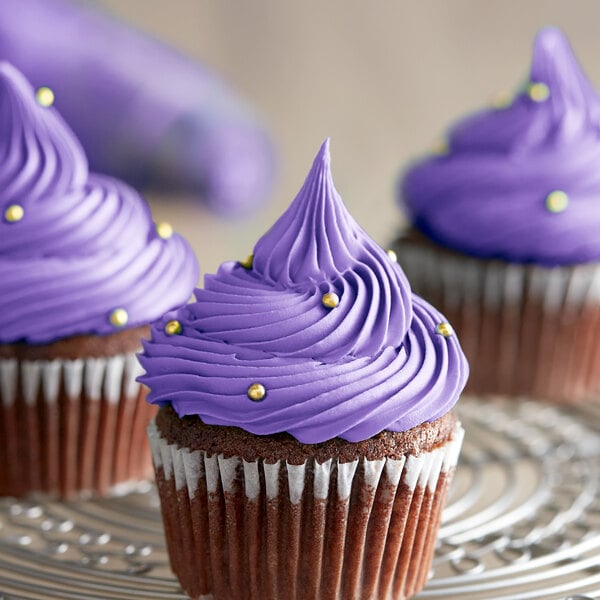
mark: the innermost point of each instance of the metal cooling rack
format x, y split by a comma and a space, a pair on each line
523, 522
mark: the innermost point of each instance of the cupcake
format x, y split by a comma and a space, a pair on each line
83, 271
504, 236
306, 438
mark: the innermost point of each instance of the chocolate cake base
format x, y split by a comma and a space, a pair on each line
527, 330
338, 528
191, 433
73, 426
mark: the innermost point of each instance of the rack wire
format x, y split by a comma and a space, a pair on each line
522, 522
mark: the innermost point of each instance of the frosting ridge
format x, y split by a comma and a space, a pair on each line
484, 194
369, 363
83, 244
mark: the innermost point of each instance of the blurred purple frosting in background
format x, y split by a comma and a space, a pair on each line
142, 111
520, 181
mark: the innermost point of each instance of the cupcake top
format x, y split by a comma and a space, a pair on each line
79, 252
519, 182
316, 334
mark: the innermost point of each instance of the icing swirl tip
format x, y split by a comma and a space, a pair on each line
555, 65
39, 152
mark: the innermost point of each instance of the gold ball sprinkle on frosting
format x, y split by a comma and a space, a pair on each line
247, 262
557, 201
44, 96
392, 255
441, 147
173, 327
256, 392
119, 317
330, 300
164, 230
538, 92
444, 329
14, 213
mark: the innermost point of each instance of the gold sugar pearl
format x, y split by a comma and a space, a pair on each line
14, 213
538, 92
256, 392
44, 96
330, 300
392, 255
444, 329
119, 317
557, 201
247, 262
441, 147
173, 327
164, 230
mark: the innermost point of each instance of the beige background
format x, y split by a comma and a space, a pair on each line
383, 79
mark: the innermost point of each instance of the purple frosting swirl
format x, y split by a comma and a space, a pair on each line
487, 195
373, 363
86, 243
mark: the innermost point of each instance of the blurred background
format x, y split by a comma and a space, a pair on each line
382, 79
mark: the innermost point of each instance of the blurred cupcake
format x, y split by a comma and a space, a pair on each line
306, 438
83, 270
504, 235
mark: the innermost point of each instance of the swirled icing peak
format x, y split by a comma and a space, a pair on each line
38, 153
322, 319
79, 252
519, 182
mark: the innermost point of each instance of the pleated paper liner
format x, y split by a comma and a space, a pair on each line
72, 428
526, 330
239, 530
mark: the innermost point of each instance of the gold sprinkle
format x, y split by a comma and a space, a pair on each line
444, 329
557, 201
330, 300
164, 230
173, 327
14, 213
441, 147
502, 100
392, 255
538, 92
247, 262
44, 96
256, 392
119, 317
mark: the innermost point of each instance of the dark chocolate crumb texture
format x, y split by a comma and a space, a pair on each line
191, 433
89, 346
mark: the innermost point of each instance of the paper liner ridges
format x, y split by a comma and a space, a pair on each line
72, 427
526, 330
259, 531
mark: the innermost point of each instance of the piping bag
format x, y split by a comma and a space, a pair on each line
143, 111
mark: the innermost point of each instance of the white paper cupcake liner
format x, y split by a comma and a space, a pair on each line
253, 530
526, 329
72, 427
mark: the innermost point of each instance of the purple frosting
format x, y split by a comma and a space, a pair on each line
373, 363
143, 111
86, 244
487, 195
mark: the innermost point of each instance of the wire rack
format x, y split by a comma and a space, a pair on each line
522, 522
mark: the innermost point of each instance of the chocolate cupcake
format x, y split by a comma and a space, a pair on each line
306, 438
504, 235
83, 271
